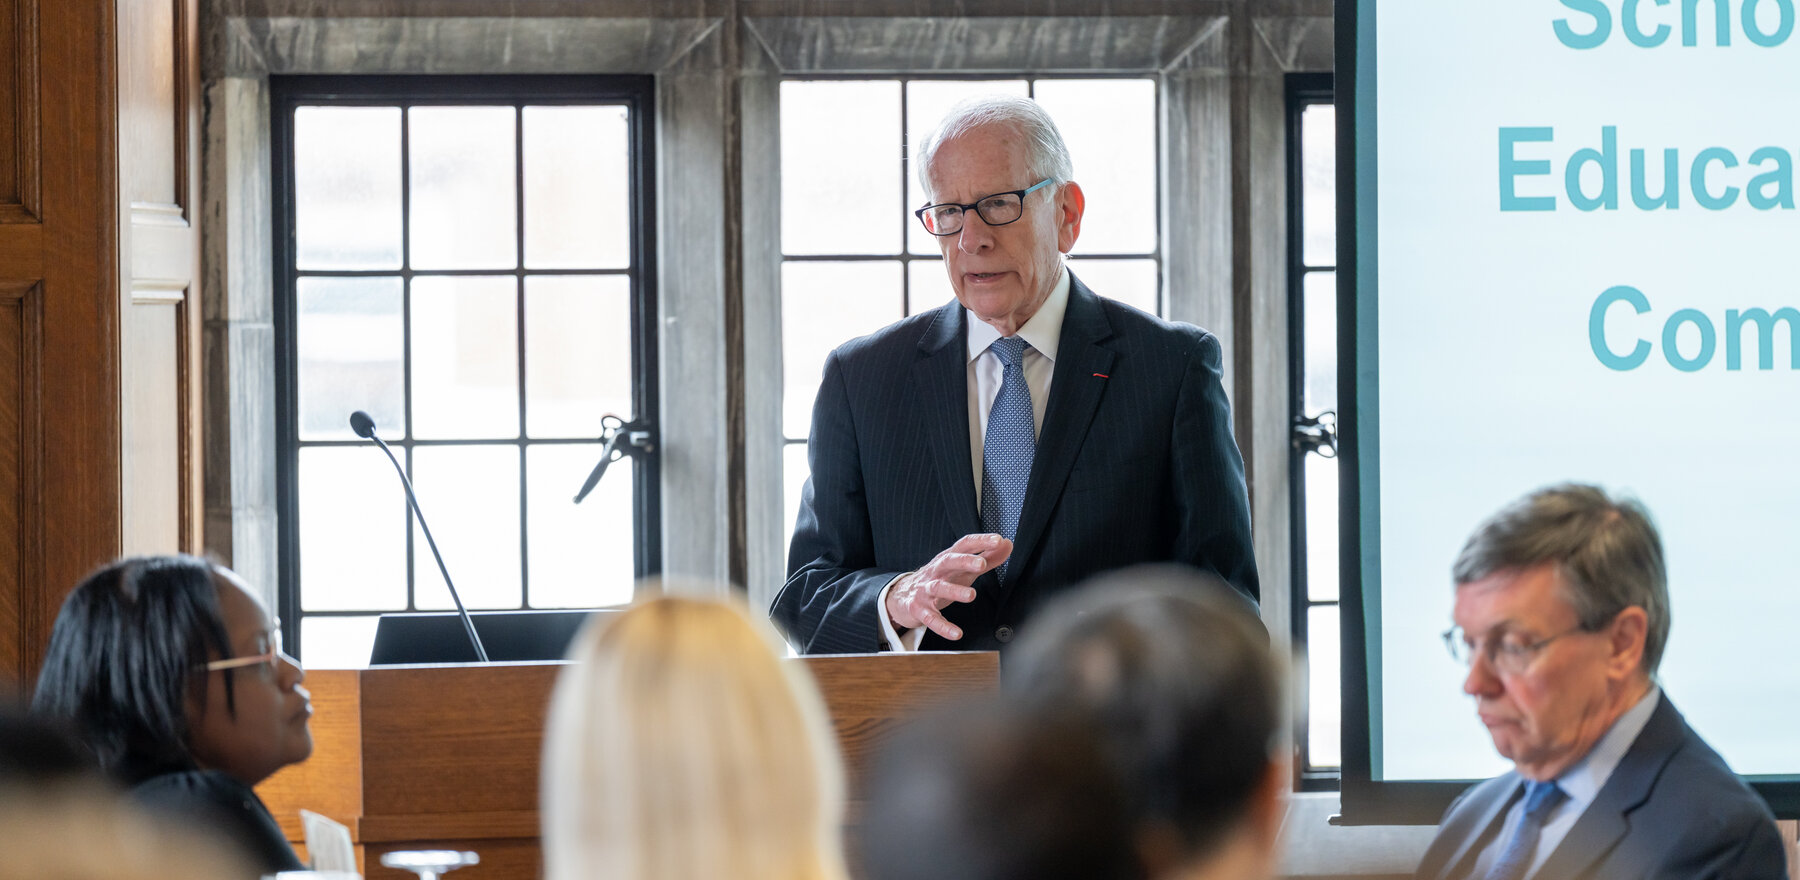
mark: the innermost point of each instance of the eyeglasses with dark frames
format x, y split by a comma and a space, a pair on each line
997, 209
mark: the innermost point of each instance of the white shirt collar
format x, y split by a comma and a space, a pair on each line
1043, 332
1583, 781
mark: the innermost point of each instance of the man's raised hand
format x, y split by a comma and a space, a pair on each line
918, 598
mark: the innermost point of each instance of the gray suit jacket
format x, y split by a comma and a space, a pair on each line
1135, 463
1671, 809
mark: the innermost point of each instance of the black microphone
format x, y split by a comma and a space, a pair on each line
365, 428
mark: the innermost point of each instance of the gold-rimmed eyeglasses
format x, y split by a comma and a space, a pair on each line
271, 659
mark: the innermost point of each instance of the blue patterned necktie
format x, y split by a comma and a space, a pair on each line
1515, 860
1009, 446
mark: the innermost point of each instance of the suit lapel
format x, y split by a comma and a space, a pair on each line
1075, 393
1603, 823
1484, 825
941, 384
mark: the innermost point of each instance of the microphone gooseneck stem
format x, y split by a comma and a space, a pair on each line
469, 624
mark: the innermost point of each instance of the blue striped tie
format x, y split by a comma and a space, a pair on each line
1515, 860
1009, 446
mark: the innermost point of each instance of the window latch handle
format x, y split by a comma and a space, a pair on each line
635, 439
1317, 434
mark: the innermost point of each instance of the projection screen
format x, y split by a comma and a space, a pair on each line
1571, 252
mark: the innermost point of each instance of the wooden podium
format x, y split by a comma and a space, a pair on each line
446, 757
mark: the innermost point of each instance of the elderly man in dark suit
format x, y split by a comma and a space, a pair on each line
970, 461
1562, 612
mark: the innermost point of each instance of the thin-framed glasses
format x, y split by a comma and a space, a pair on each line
270, 659
1508, 653
998, 209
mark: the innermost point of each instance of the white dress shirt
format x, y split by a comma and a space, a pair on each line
1581, 782
1042, 334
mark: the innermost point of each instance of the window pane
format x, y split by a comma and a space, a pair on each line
581, 554
840, 151
1318, 173
794, 471
347, 187
470, 495
1110, 127
1320, 328
1324, 707
465, 370
493, 248
927, 287
1321, 528
926, 103
824, 305
464, 188
352, 530
350, 340
1132, 282
337, 642
577, 353
577, 187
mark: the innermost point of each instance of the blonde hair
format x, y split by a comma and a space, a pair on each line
682, 747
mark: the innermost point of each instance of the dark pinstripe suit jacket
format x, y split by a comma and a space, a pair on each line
1135, 463
1672, 810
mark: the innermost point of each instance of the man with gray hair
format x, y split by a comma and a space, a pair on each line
970, 461
1562, 614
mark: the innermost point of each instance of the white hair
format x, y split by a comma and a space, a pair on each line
1048, 157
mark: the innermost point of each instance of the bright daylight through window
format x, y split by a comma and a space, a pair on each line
465, 269
1313, 311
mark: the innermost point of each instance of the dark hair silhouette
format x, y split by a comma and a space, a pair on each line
122, 662
997, 791
1173, 667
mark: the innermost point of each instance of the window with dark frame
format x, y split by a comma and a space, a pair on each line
855, 259
1312, 353
470, 261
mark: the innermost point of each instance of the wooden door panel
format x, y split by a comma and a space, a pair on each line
59, 314
18, 462
19, 160
21, 253
10, 67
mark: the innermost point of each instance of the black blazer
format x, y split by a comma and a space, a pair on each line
1135, 463
1671, 809
221, 805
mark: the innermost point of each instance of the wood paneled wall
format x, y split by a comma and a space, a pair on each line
59, 394
99, 398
